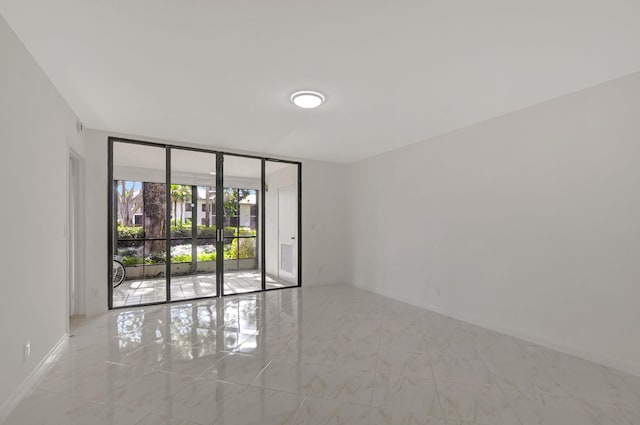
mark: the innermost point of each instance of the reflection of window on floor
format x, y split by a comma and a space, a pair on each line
237, 331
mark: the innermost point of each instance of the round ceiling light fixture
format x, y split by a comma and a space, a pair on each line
307, 99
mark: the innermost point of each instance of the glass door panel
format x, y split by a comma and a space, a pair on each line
281, 224
242, 183
193, 224
139, 227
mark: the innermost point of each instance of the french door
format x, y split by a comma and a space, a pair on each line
191, 223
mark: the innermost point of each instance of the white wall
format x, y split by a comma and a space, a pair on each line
323, 224
37, 129
528, 223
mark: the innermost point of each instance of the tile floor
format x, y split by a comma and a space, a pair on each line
147, 291
319, 355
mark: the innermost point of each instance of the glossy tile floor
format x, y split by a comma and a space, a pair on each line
147, 291
320, 355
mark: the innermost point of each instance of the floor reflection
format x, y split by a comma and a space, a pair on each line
190, 330
352, 358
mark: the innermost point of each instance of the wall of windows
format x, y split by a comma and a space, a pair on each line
191, 223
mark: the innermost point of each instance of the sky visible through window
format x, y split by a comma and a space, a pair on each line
129, 185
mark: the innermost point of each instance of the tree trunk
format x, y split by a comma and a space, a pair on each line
175, 215
120, 197
127, 206
155, 207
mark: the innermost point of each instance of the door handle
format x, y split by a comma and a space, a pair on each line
293, 238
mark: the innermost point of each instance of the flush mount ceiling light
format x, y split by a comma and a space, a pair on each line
307, 99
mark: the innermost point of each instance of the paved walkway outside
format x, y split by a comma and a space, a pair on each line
145, 291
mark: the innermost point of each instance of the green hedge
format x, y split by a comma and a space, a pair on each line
231, 252
186, 258
130, 261
130, 232
130, 237
180, 231
246, 232
184, 231
203, 231
247, 249
207, 256
181, 258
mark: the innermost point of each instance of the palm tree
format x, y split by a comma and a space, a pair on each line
185, 195
175, 195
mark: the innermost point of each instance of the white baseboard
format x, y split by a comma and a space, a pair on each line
534, 339
32, 379
316, 283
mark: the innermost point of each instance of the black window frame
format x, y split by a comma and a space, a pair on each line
111, 140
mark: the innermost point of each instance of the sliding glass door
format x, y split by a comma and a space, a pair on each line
193, 224
190, 223
242, 183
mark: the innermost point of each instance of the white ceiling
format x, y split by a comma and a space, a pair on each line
219, 73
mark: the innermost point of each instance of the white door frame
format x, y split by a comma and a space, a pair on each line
288, 238
75, 236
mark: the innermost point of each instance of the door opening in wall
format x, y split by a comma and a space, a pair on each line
74, 226
283, 243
